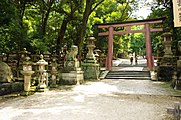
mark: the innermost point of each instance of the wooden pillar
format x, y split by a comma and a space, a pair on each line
110, 49
149, 57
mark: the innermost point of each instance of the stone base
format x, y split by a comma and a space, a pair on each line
91, 71
71, 66
72, 78
165, 73
153, 75
41, 88
7, 88
27, 93
177, 85
53, 86
177, 82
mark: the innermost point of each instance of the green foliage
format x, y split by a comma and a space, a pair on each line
137, 44
10, 28
37, 24
163, 9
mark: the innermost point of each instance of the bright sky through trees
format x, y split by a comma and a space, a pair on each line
144, 9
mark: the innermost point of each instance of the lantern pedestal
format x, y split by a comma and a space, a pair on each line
27, 79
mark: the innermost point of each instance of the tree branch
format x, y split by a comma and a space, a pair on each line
96, 6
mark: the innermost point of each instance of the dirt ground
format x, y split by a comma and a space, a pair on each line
91, 101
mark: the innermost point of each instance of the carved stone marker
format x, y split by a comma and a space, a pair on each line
175, 111
6, 74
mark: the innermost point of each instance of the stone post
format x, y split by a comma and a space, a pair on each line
90, 67
43, 75
27, 72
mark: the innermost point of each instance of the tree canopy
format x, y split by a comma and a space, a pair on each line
49, 25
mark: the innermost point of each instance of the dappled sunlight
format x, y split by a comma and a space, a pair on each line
96, 88
128, 92
116, 62
79, 98
130, 69
9, 113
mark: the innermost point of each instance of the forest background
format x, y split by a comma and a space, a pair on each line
43, 26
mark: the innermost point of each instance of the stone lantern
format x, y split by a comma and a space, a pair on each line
90, 45
54, 73
43, 75
167, 37
27, 72
90, 66
165, 69
97, 54
23, 55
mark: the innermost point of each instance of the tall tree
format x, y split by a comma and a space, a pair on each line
89, 8
69, 10
46, 9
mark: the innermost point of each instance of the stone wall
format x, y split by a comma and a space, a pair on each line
7, 88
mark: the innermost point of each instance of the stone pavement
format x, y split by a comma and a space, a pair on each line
107, 99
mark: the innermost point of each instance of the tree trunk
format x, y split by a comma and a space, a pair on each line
61, 35
82, 29
45, 19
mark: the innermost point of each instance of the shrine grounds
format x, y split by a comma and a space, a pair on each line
102, 100
107, 99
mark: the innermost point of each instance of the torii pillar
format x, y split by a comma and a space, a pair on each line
110, 49
149, 56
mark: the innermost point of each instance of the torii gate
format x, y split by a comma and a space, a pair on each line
128, 24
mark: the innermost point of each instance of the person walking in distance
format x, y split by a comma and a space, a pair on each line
131, 59
136, 60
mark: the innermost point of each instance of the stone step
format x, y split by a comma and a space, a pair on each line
138, 75
129, 78
129, 73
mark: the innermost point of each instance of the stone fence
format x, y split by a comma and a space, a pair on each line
15, 61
